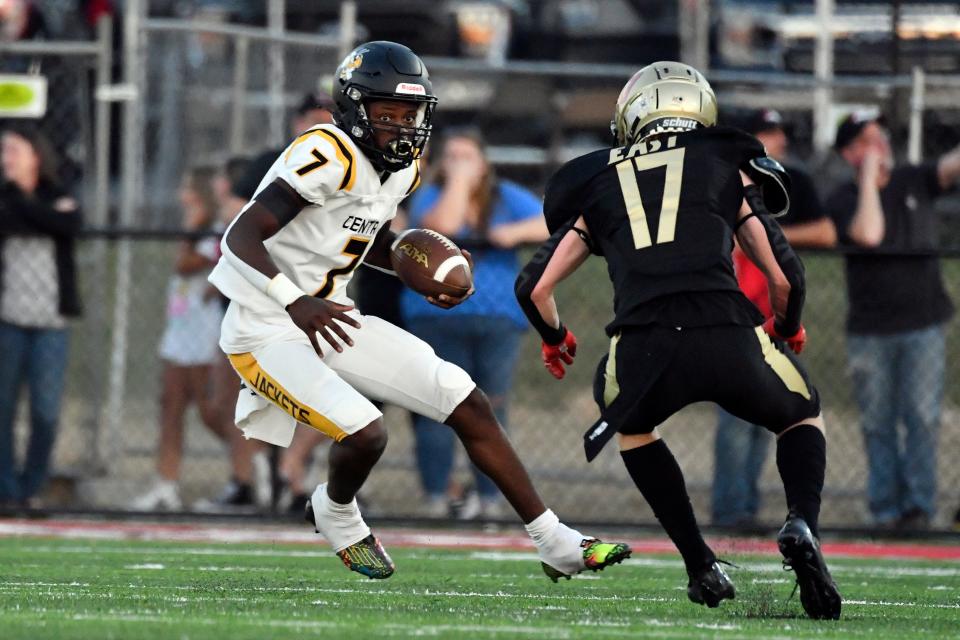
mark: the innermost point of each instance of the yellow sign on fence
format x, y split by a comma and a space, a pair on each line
22, 96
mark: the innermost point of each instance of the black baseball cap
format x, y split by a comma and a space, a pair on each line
760, 120
316, 100
852, 124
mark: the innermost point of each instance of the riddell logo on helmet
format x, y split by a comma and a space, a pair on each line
412, 89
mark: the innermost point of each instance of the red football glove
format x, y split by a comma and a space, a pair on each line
554, 355
795, 342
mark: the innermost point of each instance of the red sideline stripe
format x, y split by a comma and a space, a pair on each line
404, 538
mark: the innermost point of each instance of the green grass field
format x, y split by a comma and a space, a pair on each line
98, 589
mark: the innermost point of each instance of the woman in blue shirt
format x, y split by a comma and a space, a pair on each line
468, 202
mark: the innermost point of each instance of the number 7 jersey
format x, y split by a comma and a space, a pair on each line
662, 213
320, 248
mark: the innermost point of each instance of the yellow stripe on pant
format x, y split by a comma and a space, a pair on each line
782, 365
258, 379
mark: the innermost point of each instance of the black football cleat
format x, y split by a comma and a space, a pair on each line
710, 586
801, 553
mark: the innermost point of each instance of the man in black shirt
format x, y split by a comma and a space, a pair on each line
740, 448
897, 312
663, 209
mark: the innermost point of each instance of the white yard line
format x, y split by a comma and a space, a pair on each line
842, 568
885, 603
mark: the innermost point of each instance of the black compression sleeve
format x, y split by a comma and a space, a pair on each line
527, 280
787, 259
281, 200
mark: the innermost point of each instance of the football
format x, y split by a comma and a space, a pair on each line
430, 264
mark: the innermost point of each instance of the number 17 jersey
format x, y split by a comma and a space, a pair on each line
662, 213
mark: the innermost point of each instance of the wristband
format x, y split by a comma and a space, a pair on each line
282, 289
552, 336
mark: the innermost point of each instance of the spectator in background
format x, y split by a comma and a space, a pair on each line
897, 313
740, 448
188, 347
21, 20
468, 203
38, 293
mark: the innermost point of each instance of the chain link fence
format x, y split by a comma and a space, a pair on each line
210, 97
109, 469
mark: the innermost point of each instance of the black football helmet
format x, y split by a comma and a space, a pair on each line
384, 71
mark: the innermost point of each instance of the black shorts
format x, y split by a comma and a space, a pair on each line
652, 372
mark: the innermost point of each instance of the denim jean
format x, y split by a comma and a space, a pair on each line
899, 378
486, 348
36, 357
740, 450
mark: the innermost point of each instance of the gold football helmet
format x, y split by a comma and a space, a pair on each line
663, 97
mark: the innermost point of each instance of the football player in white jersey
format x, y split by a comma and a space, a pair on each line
322, 209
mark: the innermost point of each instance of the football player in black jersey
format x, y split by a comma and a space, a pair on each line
663, 208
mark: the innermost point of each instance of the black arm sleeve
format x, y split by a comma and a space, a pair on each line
527, 281
787, 259
281, 200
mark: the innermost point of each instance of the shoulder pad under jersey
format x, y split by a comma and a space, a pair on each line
561, 196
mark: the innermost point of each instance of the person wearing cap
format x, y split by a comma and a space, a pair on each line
898, 309
740, 448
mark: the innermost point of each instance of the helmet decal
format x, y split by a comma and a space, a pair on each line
353, 61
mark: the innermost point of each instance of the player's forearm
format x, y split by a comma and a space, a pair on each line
763, 242
243, 248
542, 298
556, 259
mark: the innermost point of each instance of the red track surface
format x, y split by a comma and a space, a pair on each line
447, 539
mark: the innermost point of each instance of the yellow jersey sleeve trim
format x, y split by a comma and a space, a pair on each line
345, 156
416, 178
303, 136
267, 386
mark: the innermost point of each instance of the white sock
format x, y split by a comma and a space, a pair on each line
341, 524
557, 544
543, 527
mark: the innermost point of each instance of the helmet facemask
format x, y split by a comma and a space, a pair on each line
406, 143
385, 71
